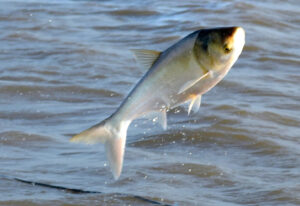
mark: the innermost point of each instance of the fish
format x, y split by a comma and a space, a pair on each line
180, 74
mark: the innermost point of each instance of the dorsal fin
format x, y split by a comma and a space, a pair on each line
146, 58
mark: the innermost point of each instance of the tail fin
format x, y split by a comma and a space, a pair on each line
113, 135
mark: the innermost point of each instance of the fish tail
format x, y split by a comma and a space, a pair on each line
112, 134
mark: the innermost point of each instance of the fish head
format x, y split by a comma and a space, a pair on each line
218, 49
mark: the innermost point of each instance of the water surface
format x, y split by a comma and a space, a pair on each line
66, 65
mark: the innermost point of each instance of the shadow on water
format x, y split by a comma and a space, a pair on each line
82, 191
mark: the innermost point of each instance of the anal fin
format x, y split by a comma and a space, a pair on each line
162, 119
159, 117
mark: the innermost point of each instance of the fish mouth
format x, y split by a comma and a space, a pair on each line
238, 38
232, 38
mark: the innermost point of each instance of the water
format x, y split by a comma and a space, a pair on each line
66, 65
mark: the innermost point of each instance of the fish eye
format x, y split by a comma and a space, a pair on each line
227, 49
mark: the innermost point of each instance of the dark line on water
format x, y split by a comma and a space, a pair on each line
71, 190
80, 191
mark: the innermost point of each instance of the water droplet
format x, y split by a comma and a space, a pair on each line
154, 119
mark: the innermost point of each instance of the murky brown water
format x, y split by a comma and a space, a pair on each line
66, 65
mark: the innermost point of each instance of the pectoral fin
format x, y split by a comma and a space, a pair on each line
146, 58
195, 104
191, 83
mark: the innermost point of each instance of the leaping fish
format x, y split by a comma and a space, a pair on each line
181, 73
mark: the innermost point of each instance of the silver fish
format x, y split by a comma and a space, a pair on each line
181, 73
